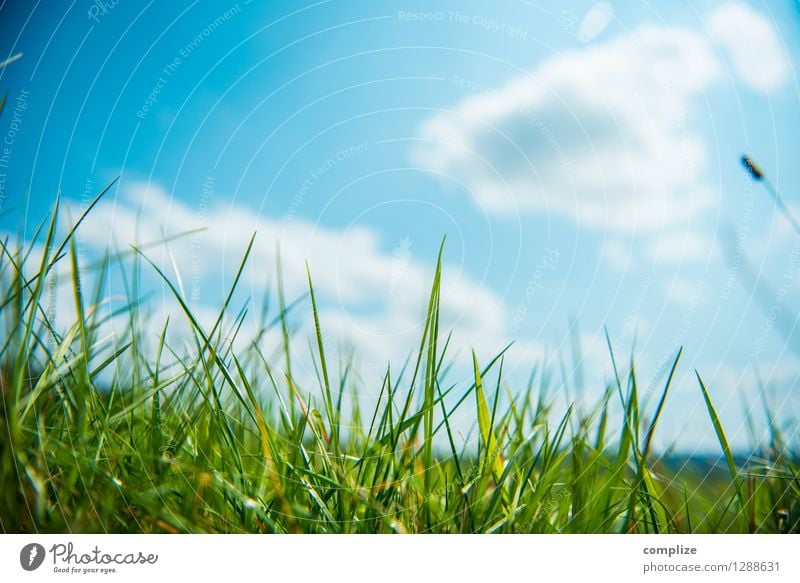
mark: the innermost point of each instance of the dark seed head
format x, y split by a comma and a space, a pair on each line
751, 167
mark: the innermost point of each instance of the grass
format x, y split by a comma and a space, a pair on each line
122, 434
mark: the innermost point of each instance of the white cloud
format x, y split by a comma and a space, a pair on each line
681, 247
371, 295
687, 294
618, 253
752, 45
600, 135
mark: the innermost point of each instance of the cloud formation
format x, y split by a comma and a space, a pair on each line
601, 135
752, 45
372, 294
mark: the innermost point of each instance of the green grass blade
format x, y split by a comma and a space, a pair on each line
723, 441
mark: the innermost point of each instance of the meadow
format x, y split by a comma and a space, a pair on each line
126, 435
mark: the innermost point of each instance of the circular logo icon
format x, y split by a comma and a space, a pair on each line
31, 556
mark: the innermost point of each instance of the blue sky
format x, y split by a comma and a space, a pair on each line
581, 158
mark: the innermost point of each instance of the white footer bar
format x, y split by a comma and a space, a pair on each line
423, 558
